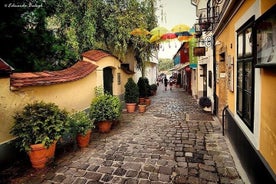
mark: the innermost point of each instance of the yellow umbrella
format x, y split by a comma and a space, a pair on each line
180, 28
155, 38
159, 31
139, 32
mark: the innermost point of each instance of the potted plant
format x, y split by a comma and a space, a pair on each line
205, 103
131, 95
104, 109
37, 127
144, 90
153, 89
81, 126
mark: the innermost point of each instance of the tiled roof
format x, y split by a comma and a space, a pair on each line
5, 68
76, 72
95, 55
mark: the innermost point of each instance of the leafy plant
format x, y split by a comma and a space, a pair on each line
205, 102
131, 91
39, 122
80, 122
153, 87
144, 87
105, 107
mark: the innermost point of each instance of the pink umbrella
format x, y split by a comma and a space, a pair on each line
168, 36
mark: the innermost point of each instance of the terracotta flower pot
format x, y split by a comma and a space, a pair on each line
141, 100
147, 101
83, 140
130, 107
104, 126
38, 156
142, 108
51, 150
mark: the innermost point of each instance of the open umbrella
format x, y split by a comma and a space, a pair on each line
139, 32
159, 31
168, 36
180, 28
154, 38
184, 38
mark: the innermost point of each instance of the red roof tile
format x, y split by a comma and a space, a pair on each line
95, 55
76, 72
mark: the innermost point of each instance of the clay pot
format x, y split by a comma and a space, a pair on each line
131, 107
104, 126
147, 101
83, 140
38, 156
141, 100
142, 108
51, 150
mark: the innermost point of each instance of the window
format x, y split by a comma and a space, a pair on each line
245, 73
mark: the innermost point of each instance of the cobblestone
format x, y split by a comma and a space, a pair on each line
174, 141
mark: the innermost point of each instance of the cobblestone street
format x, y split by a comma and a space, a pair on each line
174, 141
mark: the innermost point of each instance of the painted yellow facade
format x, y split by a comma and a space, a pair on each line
75, 95
266, 137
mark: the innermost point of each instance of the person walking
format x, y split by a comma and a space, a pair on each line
165, 83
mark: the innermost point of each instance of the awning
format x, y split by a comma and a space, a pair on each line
179, 66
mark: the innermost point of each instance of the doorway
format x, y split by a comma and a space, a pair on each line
108, 80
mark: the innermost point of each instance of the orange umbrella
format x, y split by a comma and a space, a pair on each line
139, 32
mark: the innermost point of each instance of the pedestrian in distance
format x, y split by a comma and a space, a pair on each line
165, 83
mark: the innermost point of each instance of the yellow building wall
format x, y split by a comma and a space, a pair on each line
268, 108
75, 95
267, 90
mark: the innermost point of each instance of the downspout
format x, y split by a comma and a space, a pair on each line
223, 118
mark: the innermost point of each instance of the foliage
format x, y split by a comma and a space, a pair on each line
165, 64
80, 122
153, 87
144, 87
39, 122
131, 91
205, 102
52, 36
99, 90
105, 107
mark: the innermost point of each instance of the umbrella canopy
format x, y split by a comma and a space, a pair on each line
154, 38
183, 33
168, 36
159, 31
184, 38
139, 32
180, 28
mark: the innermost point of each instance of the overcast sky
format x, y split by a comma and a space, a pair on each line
174, 12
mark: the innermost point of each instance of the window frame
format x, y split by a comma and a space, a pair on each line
245, 77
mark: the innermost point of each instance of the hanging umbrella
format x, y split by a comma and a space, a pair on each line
192, 31
184, 38
139, 32
154, 38
168, 36
159, 31
180, 28
183, 33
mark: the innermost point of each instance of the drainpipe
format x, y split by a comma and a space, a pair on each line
223, 118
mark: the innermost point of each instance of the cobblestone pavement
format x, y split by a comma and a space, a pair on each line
174, 141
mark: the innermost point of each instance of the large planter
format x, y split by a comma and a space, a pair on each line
51, 151
104, 126
131, 107
83, 140
38, 156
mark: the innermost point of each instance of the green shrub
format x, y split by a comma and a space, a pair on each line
131, 91
80, 123
39, 122
105, 107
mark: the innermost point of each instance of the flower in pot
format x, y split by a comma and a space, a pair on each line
205, 103
131, 95
37, 127
81, 126
104, 109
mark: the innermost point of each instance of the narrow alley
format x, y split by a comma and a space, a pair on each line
174, 141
